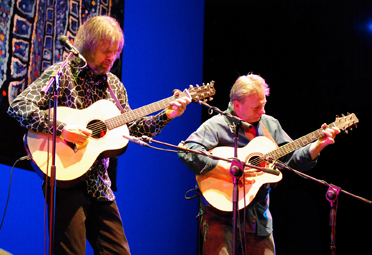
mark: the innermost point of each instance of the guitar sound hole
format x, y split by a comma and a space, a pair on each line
98, 128
256, 161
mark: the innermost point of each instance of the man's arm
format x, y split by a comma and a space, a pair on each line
328, 138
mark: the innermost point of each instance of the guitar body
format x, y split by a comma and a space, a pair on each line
218, 189
108, 127
72, 164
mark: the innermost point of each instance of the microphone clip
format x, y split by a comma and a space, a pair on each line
136, 140
274, 162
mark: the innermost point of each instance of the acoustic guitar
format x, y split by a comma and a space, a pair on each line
217, 189
108, 126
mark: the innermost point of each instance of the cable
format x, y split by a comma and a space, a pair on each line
10, 185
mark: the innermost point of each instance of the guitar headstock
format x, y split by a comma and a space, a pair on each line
198, 93
345, 122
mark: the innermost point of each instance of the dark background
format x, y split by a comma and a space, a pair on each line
316, 57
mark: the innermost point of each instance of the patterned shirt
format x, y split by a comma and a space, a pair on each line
78, 90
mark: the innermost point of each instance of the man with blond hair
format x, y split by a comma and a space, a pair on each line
88, 210
247, 102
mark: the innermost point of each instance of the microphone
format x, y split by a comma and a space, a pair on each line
276, 162
246, 124
65, 41
239, 120
136, 140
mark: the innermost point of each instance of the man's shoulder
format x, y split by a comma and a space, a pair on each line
112, 76
269, 121
113, 80
268, 118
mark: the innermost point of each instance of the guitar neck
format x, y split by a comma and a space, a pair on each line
129, 116
296, 144
194, 93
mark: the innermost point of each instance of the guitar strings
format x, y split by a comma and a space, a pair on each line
97, 128
255, 161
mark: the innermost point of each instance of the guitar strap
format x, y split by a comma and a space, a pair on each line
267, 133
116, 100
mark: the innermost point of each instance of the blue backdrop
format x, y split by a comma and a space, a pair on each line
163, 51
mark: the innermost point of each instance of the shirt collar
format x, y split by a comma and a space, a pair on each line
230, 109
86, 72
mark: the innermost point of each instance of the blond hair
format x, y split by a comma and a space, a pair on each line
247, 85
97, 29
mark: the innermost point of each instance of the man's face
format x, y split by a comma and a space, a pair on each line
102, 60
251, 109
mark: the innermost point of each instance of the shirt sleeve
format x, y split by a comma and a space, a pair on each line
205, 138
149, 126
30, 107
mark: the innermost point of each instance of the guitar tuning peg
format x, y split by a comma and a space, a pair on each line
191, 86
211, 98
197, 85
346, 131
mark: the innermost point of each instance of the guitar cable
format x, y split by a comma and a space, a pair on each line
10, 185
244, 235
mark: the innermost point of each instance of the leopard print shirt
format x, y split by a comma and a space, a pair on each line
78, 90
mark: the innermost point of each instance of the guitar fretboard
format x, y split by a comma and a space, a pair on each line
194, 93
129, 116
298, 143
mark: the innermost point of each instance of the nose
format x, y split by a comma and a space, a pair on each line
262, 111
111, 55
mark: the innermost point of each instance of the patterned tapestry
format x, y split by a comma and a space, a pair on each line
29, 32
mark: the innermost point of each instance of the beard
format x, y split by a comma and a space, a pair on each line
102, 68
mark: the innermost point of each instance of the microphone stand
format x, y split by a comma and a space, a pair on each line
236, 172
236, 168
332, 197
50, 181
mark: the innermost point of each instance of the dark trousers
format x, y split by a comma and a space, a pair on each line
79, 217
216, 238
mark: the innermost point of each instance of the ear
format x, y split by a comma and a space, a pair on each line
236, 105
